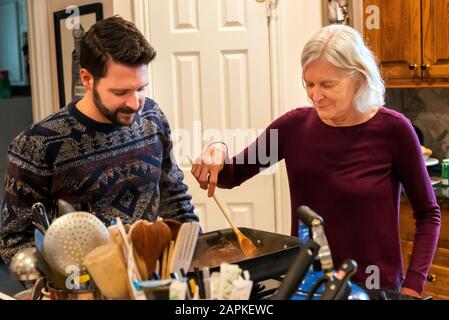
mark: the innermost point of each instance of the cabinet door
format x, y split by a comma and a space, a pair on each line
435, 23
397, 43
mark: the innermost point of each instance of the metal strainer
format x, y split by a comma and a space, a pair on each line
70, 238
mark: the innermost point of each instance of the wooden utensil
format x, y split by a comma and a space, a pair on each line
184, 247
108, 269
150, 239
247, 246
141, 265
133, 272
174, 226
169, 257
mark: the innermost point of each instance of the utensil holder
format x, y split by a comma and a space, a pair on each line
59, 294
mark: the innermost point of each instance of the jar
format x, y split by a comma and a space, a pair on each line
5, 86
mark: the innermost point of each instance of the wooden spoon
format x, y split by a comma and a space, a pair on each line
247, 246
149, 240
174, 226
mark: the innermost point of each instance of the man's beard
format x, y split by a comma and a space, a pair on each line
112, 116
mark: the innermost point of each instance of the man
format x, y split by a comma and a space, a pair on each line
109, 153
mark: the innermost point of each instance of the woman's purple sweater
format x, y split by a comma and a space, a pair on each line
352, 177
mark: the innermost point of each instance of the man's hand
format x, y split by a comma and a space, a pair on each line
206, 167
410, 292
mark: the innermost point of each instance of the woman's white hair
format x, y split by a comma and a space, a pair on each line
343, 47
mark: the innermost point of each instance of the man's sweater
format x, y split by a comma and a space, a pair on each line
352, 177
109, 170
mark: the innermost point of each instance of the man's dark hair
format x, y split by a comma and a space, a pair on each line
117, 39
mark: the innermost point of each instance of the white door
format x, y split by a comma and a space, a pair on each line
212, 73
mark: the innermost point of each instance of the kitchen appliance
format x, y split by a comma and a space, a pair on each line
297, 270
322, 282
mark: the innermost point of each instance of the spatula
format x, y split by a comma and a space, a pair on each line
184, 247
247, 246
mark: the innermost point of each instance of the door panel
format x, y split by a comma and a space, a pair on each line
212, 74
436, 37
396, 17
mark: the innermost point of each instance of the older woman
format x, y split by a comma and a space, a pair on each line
346, 158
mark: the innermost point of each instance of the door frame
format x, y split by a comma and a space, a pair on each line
43, 92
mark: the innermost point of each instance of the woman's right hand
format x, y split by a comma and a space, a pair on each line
207, 166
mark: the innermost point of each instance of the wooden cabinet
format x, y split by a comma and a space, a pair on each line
412, 41
437, 284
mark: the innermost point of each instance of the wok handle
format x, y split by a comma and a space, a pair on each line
297, 270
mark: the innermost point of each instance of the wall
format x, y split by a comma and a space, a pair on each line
57, 5
42, 48
428, 109
19, 118
299, 20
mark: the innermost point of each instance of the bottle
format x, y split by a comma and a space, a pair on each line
445, 172
5, 86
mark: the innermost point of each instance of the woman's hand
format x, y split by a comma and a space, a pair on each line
206, 167
410, 292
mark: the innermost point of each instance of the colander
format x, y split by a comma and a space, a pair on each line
70, 238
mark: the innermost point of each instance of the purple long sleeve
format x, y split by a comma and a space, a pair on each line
352, 177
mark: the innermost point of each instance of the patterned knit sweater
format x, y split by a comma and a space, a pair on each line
109, 170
